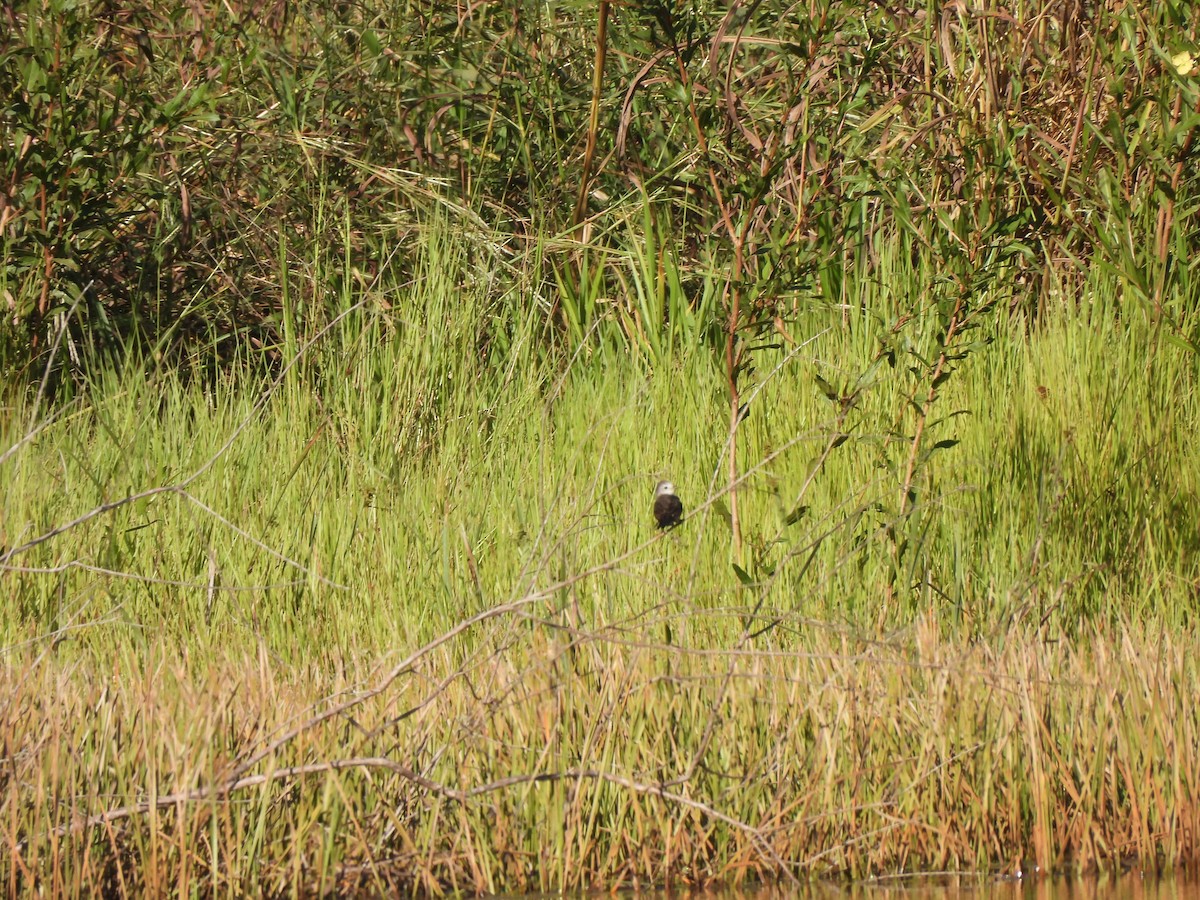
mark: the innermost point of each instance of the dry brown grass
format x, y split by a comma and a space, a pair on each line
521, 755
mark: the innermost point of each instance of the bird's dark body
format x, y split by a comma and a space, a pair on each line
668, 510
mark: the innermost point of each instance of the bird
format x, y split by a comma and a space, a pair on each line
668, 508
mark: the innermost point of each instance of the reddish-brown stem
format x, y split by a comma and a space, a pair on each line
1166, 215
594, 122
930, 396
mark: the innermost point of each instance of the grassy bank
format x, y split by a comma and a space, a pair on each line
395, 613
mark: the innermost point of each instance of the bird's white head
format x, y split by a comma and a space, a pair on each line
664, 487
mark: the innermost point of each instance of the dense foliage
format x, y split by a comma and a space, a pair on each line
166, 171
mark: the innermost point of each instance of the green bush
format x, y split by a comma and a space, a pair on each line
747, 158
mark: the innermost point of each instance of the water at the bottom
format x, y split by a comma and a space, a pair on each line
1127, 886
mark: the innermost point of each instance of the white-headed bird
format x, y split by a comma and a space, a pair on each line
668, 508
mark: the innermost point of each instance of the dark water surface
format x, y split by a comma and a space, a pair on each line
1127, 886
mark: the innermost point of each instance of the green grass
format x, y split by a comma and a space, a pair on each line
391, 441
400, 615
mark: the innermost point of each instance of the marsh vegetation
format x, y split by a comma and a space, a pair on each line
344, 349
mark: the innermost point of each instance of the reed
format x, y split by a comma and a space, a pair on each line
399, 616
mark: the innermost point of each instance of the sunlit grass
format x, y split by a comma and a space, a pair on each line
1003, 673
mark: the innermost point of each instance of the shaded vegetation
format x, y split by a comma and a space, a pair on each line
165, 171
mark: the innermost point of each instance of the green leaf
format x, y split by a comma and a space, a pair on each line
795, 515
743, 576
826, 388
